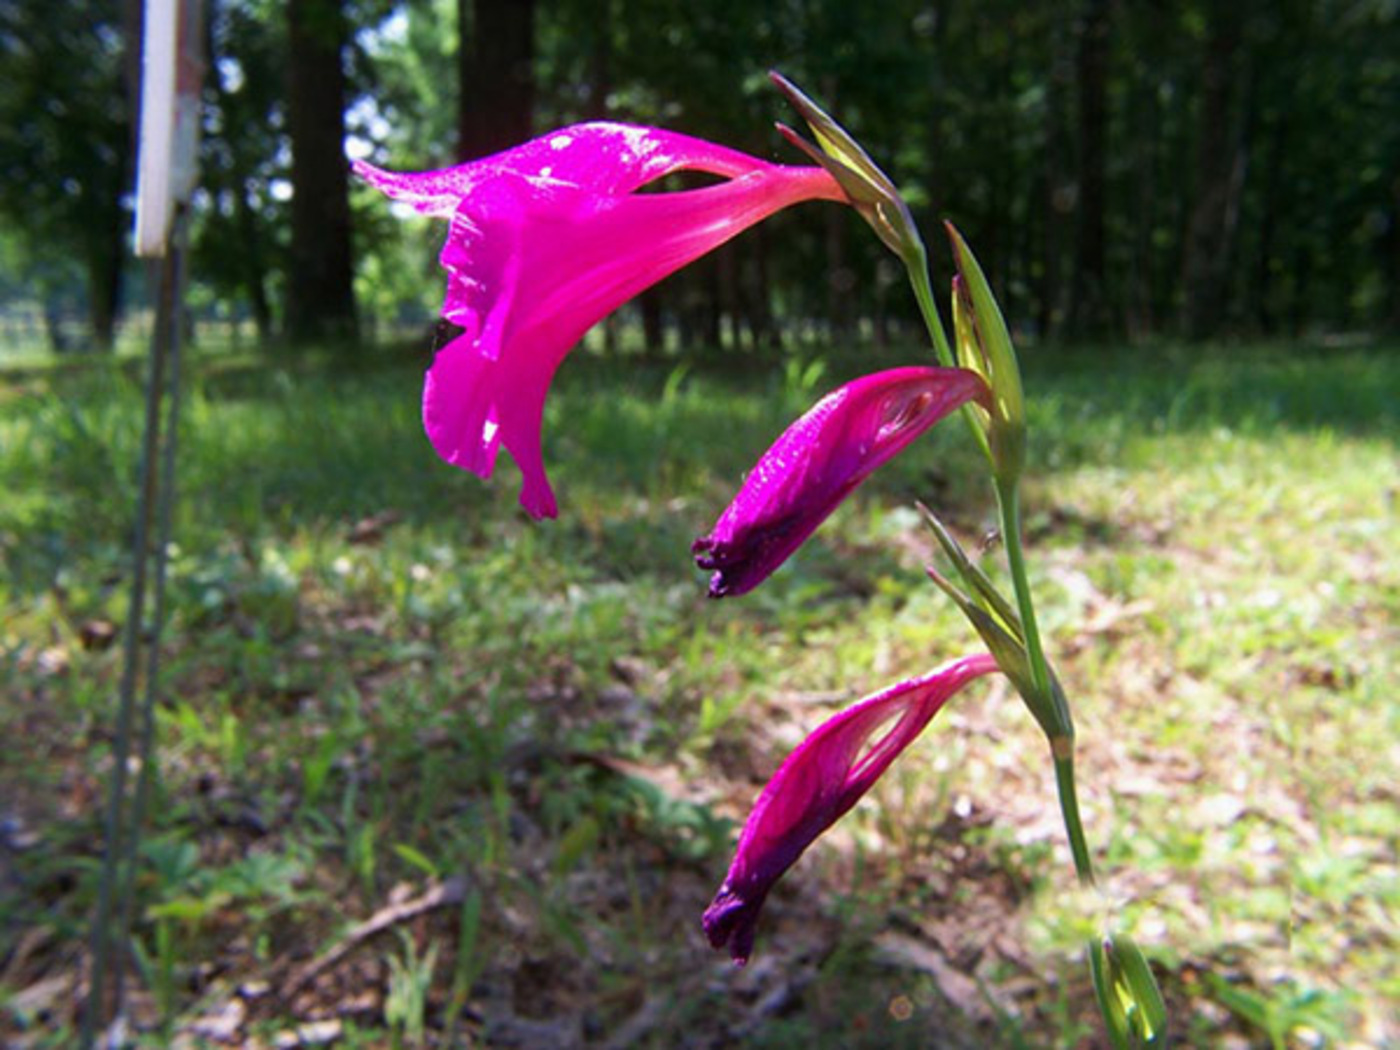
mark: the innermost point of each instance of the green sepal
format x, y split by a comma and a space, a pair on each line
1129, 998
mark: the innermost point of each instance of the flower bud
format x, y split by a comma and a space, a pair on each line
984, 346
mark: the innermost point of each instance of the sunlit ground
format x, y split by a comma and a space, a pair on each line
387, 688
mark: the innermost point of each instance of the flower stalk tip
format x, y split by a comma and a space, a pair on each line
871, 192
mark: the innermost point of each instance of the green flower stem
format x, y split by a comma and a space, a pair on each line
1062, 741
1063, 751
1009, 502
1008, 499
917, 265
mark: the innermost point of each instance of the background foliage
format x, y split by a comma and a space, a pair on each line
1126, 168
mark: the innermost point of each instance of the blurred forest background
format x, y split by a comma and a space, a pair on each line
1131, 168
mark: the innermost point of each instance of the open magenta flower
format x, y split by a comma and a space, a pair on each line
817, 785
816, 463
546, 240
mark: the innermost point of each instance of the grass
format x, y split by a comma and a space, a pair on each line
381, 678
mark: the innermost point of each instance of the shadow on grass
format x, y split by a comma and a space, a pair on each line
356, 708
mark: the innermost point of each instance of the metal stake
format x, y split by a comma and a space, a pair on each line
155, 498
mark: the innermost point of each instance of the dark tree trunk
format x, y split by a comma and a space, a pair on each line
727, 287
653, 330
600, 62
106, 235
1394, 254
709, 302
53, 327
1141, 315
757, 295
1058, 188
106, 250
320, 279
1218, 176
1261, 288
496, 57
254, 266
840, 280
1088, 312
251, 253
935, 138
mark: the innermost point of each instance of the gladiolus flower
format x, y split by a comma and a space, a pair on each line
817, 785
818, 461
546, 240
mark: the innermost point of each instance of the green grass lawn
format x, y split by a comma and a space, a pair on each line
382, 679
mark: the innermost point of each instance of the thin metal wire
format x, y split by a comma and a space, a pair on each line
122, 830
165, 492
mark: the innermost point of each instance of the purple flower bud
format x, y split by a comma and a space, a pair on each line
818, 460
819, 782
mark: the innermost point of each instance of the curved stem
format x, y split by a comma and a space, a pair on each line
1063, 751
1062, 739
917, 265
928, 306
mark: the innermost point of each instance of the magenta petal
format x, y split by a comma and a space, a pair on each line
816, 463
819, 783
546, 240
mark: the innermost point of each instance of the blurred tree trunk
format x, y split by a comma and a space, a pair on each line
1059, 192
1394, 255
104, 235
727, 294
106, 250
756, 292
251, 256
320, 278
600, 63
935, 140
1261, 286
840, 281
1088, 310
653, 328
53, 326
254, 262
1219, 179
1147, 119
495, 69
709, 296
